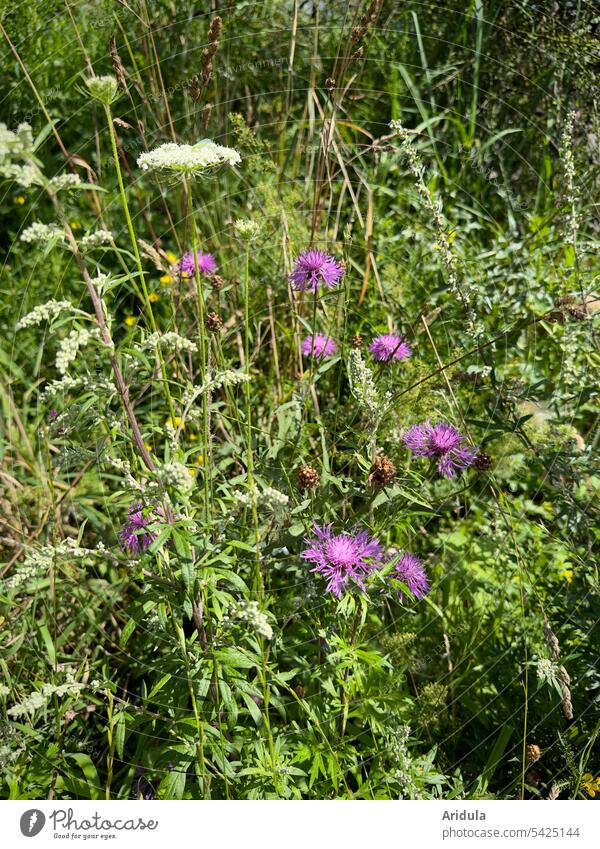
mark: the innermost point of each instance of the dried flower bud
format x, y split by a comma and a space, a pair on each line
213, 322
382, 472
217, 282
206, 113
330, 84
357, 341
483, 462
308, 478
532, 753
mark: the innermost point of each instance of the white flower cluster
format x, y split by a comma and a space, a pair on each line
18, 146
64, 385
70, 345
38, 232
267, 500
173, 341
38, 561
25, 175
229, 377
247, 229
362, 386
43, 312
38, 698
248, 611
64, 182
19, 143
187, 158
12, 745
547, 671
175, 475
96, 240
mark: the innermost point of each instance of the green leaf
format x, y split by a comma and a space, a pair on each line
127, 632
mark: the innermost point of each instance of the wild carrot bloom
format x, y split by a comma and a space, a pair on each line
410, 571
442, 442
389, 347
134, 537
206, 264
320, 347
342, 558
314, 267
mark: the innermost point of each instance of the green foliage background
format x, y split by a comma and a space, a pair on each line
489, 90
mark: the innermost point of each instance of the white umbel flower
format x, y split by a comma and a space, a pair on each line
190, 159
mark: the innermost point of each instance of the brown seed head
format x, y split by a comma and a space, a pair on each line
213, 322
483, 462
308, 478
357, 341
382, 472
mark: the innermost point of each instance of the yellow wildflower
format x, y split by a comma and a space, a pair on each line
19, 200
75, 225
567, 575
147, 446
153, 297
130, 320
166, 279
171, 256
590, 784
176, 422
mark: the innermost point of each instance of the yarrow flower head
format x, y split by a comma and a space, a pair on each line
190, 159
443, 442
410, 571
313, 268
342, 558
206, 264
135, 537
319, 346
389, 347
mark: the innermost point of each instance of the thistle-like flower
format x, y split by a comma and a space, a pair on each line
442, 442
389, 347
410, 571
342, 558
206, 264
187, 159
313, 268
319, 346
135, 537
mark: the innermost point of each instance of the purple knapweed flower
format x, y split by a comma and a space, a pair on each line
314, 267
320, 346
341, 558
410, 571
206, 264
442, 442
389, 347
134, 537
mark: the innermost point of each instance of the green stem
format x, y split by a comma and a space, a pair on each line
138, 259
203, 359
258, 579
